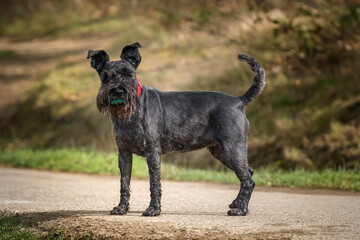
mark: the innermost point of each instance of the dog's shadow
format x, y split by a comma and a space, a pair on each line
166, 213
33, 218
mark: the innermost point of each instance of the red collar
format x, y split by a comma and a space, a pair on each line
139, 87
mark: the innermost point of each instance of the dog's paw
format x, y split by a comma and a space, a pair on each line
235, 204
119, 210
151, 211
237, 212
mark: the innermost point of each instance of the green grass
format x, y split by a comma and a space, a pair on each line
93, 162
12, 227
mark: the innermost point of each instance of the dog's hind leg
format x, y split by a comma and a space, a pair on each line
236, 155
125, 166
251, 171
217, 152
154, 164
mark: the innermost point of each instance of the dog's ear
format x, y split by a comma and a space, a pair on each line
131, 54
98, 59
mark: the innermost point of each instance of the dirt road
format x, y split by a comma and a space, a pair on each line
80, 204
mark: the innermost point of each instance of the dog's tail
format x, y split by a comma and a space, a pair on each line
258, 81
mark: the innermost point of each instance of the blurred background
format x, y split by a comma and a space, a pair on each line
308, 116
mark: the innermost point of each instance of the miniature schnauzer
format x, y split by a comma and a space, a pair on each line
149, 122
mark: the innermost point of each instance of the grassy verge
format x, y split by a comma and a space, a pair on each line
12, 228
93, 162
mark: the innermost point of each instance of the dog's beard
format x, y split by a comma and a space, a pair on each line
115, 113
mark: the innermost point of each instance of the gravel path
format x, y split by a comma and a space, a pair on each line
80, 204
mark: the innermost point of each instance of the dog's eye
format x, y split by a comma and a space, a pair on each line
105, 77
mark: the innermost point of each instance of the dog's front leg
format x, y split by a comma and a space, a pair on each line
125, 166
154, 164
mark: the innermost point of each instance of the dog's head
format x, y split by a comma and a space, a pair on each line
117, 96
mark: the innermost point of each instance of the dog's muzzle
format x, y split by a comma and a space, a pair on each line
117, 97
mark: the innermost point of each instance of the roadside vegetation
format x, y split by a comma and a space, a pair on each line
95, 162
305, 127
14, 228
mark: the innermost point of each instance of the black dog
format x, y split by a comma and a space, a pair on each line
149, 123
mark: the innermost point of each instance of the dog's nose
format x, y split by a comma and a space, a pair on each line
117, 91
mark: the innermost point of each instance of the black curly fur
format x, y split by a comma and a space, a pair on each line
158, 122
